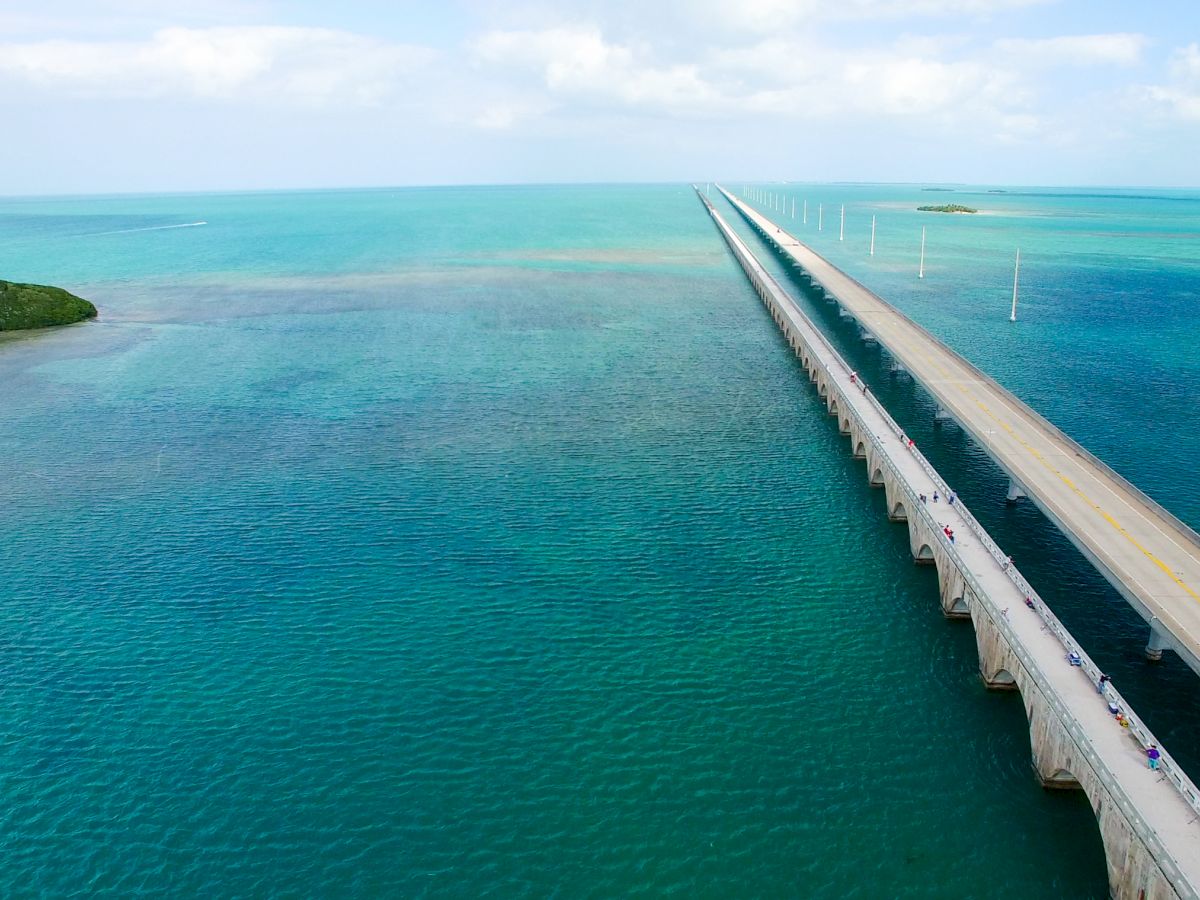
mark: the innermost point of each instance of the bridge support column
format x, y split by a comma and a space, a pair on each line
867, 337
1157, 643
941, 416
844, 313
858, 443
998, 664
894, 498
952, 590
1056, 761
896, 368
1015, 492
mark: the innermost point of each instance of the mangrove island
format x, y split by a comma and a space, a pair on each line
39, 306
948, 207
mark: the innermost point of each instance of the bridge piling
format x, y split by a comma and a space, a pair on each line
1158, 641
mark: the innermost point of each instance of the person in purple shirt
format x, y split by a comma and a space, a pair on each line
1152, 756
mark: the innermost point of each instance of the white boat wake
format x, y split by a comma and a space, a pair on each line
150, 228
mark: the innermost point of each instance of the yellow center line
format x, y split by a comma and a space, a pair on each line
946, 374
1092, 503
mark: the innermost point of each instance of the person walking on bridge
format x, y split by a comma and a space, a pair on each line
1152, 756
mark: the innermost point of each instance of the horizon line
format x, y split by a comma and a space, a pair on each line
620, 183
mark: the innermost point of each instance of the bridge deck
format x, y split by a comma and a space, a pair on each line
1147, 554
1156, 808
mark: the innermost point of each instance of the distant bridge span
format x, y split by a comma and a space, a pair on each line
1146, 553
1149, 820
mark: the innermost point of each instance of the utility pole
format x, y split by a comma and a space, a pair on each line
1016, 274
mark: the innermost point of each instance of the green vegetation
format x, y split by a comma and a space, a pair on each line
949, 207
37, 306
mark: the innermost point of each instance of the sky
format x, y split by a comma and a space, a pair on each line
114, 96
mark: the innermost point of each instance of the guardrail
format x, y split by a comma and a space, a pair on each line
1172, 773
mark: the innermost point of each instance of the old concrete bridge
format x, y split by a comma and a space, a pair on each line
1147, 554
1148, 819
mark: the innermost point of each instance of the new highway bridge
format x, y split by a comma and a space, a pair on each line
1151, 557
1149, 818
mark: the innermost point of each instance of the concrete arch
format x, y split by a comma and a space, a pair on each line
1061, 779
998, 664
860, 450
877, 477
921, 542
952, 591
844, 428
833, 406
897, 512
1002, 680
1056, 758
1060, 764
893, 496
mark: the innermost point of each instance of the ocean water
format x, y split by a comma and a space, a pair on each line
489, 542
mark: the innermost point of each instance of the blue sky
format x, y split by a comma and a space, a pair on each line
139, 95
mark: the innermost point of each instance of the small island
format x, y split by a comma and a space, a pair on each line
39, 306
948, 208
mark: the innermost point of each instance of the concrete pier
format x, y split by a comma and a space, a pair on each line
1148, 819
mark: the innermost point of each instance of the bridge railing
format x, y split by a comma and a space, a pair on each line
1138, 729
1172, 773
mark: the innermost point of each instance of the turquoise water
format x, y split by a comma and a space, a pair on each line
488, 542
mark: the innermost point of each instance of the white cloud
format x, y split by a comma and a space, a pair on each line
1082, 50
906, 8
114, 18
577, 63
894, 92
306, 65
723, 21
1181, 97
788, 77
503, 115
1185, 64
